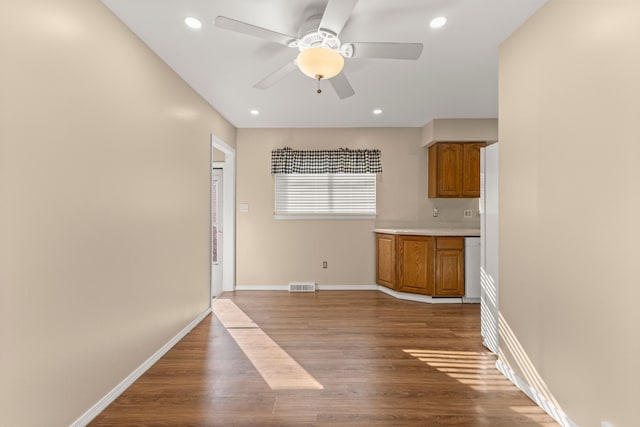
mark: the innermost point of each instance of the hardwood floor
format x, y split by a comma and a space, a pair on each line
379, 360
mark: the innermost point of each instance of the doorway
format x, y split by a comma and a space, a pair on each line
217, 230
223, 183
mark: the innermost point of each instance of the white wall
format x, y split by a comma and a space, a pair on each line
569, 203
104, 207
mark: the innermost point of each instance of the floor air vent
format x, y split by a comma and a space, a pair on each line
302, 287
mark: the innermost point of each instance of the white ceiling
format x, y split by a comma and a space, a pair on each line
456, 76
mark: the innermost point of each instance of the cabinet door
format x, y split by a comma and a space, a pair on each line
415, 264
386, 260
449, 267
449, 179
471, 169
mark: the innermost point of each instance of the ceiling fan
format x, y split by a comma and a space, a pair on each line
322, 53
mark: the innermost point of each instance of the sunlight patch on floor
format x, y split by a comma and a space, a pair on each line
474, 369
230, 315
279, 370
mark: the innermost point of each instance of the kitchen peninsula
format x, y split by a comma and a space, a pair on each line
425, 261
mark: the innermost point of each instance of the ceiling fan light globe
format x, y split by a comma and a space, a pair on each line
320, 61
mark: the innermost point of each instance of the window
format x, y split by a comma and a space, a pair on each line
339, 195
325, 183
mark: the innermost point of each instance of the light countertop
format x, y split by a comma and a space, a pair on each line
431, 231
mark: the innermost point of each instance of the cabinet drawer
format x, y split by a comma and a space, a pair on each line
449, 242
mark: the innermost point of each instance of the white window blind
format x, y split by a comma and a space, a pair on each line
325, 195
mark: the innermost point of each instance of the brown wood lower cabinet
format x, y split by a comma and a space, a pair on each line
449, 266
386, 260
414, 265
425, 265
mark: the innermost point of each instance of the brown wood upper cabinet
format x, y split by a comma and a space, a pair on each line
454, 169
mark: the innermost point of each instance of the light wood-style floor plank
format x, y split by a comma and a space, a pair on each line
380, 361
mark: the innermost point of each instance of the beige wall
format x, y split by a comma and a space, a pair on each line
276, 252
104, 207
218, 156
438, 130
569, 203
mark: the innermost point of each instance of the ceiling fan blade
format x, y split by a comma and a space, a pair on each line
387, 50
276, 76
252, 30
336, 15
342, 86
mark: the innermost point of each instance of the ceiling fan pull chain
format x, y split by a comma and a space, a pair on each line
318, 76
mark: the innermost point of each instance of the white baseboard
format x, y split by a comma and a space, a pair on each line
470, 300
318, 287
132, 377
418, 298
262, 287
549, 407
395, 294
347, 287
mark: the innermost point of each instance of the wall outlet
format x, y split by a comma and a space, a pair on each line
468, 213
324, 264
435, 212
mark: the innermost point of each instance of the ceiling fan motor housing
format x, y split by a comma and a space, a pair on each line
310, 36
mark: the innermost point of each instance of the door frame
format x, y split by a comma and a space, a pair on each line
228, 213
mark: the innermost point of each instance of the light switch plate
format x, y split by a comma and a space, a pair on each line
244, 207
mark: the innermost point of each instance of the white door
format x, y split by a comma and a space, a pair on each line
216, 232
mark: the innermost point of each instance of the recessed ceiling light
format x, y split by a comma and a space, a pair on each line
377, 111
438, 22
254, 112
193, 22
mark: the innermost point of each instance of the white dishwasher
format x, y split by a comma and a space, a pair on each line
471, 270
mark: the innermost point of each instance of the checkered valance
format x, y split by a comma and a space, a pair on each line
342, 160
